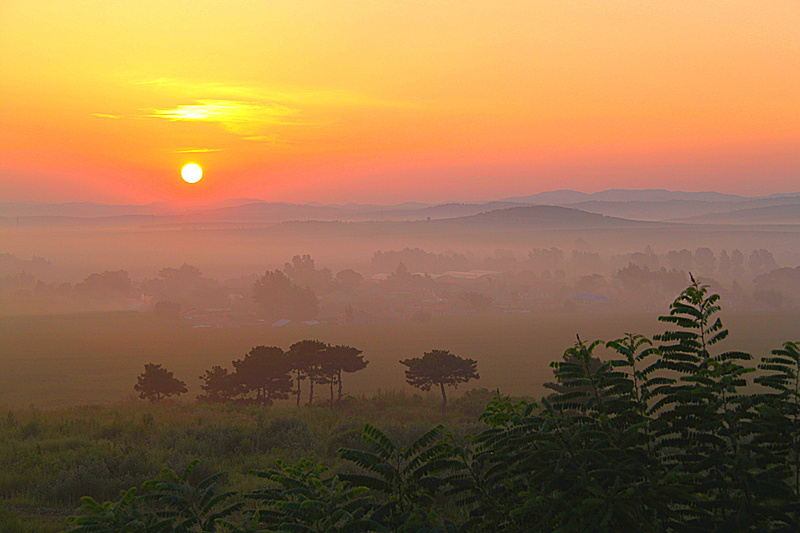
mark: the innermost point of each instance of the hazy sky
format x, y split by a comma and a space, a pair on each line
388, 101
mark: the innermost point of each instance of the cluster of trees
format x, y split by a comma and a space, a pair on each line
263, 375
664, 435
703, 260
108, 286
302, 291
778, 288
419, 260
268, 373
635, 278
292, 292
184, 287
277, 296
10, 265
549, 278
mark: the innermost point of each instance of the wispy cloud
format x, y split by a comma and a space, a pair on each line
251, 112
293, 98
197, 150
240, 118
272, 139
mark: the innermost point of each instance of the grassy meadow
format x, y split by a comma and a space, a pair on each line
71, 426
52, 458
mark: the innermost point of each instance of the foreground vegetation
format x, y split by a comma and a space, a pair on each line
51, 459
671, 435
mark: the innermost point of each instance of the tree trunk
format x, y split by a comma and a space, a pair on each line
331, 382
310, 390
444, 399
298, 388
339, 380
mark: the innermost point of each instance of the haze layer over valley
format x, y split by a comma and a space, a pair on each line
506, 281
80, 237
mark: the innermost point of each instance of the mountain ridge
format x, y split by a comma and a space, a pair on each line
643, 205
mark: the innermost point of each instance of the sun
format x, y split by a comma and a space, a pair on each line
191, 173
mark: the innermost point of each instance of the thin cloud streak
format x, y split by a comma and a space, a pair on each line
251, 111
240, 118
299, 97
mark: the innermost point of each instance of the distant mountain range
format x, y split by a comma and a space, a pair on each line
512, 220
603, 208
545, 216
566, 197
81, 209
774, 214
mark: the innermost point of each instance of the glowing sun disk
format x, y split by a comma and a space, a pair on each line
191, 173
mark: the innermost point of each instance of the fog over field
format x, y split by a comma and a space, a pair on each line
89, 293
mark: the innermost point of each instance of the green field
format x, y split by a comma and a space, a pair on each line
72, 425
50, 459
53, 362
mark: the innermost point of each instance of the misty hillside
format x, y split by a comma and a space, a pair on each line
74, 222
778, 214
449, 210
546, 216
566, 197
653, 210
644, 205
508, 219
276, 212
678, 210
273, 212
80, 210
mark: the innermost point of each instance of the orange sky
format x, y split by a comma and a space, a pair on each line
385, 101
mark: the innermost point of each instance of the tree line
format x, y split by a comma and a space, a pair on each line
669, 434
268, 373
263, 375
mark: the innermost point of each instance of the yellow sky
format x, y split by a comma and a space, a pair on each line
387, 100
